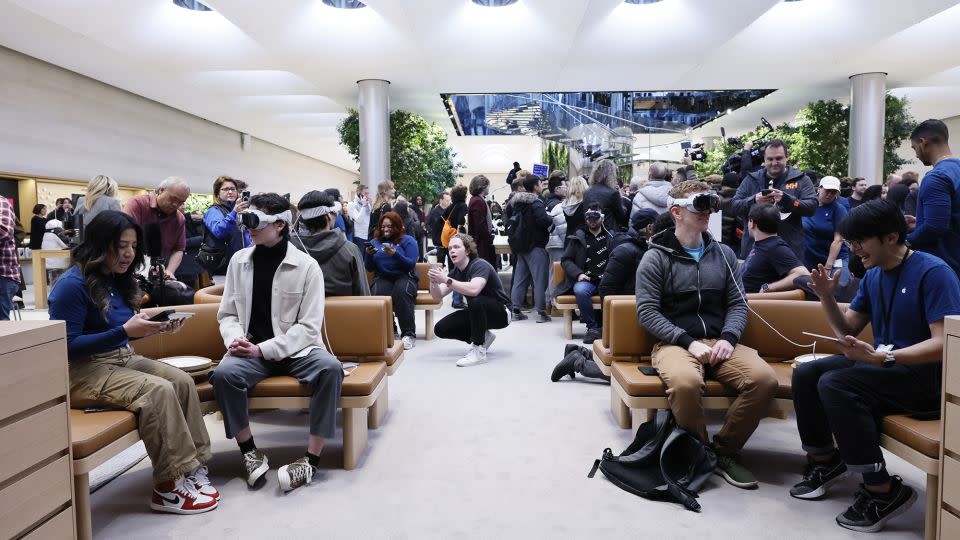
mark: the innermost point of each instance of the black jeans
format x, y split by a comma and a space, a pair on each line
837, 398
471, 324
403, 290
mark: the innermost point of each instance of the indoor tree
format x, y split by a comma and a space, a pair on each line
421, 163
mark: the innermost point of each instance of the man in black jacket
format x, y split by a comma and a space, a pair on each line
620, 276
688, 297
780, 184
435, 222
532, 265
584, 261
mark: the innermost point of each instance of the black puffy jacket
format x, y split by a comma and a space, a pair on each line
620, 276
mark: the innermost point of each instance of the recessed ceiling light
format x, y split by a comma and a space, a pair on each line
642, 1
494, 3
194, 5
345, 4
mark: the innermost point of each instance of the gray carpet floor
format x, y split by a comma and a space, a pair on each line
494, 451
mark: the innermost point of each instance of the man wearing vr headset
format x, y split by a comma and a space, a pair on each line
689, 297
270, 319
341, 262
584, 261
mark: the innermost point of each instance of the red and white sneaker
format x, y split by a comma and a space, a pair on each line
200, 481
180, 497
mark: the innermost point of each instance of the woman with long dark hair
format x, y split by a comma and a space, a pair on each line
98, 298
38, 226
392, 257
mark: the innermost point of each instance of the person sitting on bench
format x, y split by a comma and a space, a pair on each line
487, 303
904, 296
98, 298
689, 297
271, 316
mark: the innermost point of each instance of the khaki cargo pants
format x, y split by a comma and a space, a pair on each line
163, 397
744, 372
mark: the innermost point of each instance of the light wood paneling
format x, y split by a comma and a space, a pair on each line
25, 502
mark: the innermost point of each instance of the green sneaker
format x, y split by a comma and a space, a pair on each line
730, 468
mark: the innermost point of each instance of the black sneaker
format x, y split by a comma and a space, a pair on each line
818, 476
542, 317
593, 334
459, 305
566, 366
871, 511
519, 315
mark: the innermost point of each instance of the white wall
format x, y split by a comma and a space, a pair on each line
54, 122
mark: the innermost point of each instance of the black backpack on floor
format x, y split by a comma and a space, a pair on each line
663, 463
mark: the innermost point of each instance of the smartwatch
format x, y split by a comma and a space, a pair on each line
765, 287
890, 361
449, 281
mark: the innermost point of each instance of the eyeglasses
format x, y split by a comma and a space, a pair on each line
854, 245
233, 189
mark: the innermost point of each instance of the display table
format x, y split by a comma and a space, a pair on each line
36, 469
40, 257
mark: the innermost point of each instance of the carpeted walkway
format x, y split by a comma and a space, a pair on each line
494, 451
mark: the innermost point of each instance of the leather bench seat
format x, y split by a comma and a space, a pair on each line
361, 382
90, 432
635, 383
209, 295
921, 435
567, 299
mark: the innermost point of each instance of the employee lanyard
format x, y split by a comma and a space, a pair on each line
887, 308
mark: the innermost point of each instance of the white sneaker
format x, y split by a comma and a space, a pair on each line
201, 481
408, 342
488, 340
180, 497
476, 355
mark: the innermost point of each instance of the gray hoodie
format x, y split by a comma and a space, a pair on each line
340, 261
652, 195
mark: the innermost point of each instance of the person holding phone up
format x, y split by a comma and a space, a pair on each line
222, 233
98, 298
392, 257
904, 296
779, 184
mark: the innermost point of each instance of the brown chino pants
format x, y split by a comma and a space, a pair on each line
163, 397
744, 372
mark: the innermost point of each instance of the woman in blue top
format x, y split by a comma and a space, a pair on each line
392, 257
223, 228
822, 243
98, 298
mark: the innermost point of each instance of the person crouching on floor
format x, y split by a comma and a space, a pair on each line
487, 303
98, 297
270, 318
840, 399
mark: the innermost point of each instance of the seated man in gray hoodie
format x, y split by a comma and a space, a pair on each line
654, 193
318, 236
689, 297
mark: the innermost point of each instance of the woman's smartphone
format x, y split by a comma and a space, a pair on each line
245, 196
163, 316
180, 315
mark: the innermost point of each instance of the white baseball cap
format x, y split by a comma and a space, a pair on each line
830, 182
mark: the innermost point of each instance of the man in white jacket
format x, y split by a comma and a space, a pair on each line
655, 192
271, 317
359, 209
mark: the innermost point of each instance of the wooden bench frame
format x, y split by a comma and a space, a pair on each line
631, 411
360, 413
566, 308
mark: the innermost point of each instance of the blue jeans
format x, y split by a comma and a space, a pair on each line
8, 289
837, 398
584, 291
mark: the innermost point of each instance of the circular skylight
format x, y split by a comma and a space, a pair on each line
194, 5
345, 4
641, 1
494, 3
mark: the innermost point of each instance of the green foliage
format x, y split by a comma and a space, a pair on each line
821, 140
556, 157
197, 202
421, 163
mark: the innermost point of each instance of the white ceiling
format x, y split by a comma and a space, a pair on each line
286, 70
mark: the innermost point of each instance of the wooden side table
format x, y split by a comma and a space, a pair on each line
36, 465
949, 522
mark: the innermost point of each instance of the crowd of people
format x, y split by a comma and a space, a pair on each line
782, 229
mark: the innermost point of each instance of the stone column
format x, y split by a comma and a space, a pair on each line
867, 114
374, 107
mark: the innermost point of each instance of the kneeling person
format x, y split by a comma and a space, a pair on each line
487, 303
688, 296
270, 320
905, 296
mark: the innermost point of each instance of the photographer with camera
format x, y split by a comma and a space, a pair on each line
163, 208
779, 184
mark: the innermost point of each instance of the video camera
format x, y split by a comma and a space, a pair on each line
756, 152
694, 151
